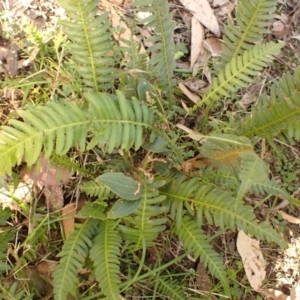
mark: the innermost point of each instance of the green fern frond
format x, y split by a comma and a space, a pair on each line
277, 113
5, 237
122, 125
147, 221
254, 178
54, 127
73, 253
95, 189
239, 72
253, 19
163, 61
105, 254
91, 43
95, 210
59, 126
170, 288
195, 241
219, 207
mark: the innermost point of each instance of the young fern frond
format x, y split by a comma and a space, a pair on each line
224, 150
163, 61
239, 73
59, 126
73, 253
91, 43
105, 254
253, 19
195, 241
143, 226
277, 113
170, 288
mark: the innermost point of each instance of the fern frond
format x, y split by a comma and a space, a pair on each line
224, 150
253, 19
53, 127
105, 254
5, 237
254, 178
163, 61
59, 126
239, 72
95, 210
277, 113
73, 253
91, 43
170, 288
95, 189
122, 125
219, 207
195, 241
146, 222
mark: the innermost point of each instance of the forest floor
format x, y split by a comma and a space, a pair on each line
203, 45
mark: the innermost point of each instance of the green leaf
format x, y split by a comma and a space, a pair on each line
123, 208
123, 186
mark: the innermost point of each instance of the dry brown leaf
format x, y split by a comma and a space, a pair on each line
193, 97
68, 214
45, 174
220, 2
46, 268
195, 85
203, 280
203, 12
54, 197
191, 133
274, 294
280, 30
290, 219
197, 37
252, 258
214, 46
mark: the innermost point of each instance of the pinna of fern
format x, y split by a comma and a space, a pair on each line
277, 113
163, 61
91, 42
56, 127
253, 19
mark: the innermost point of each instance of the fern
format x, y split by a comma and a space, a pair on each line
277, 113
253, 19
171, 288
254, 178
163, 62
58, 127
91, 43
73, 253
239, 73
219, 207
105, 255
195, 241
142, 227
95, 189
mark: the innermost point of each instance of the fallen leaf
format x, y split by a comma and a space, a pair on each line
203, 280
220, 2
214, 46
46, 174
193, 97
68, 215
280, 30
274, 294
290, 219
197, 37
191, 133
252, 258
54, 197
195, 85
203, 12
